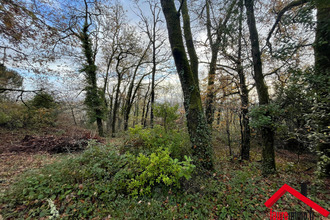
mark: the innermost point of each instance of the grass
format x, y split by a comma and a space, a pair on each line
91, 185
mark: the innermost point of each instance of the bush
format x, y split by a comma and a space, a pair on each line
266, 116
159, 168
43, 100
14, 115
147, 140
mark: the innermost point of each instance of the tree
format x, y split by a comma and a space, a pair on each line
234, 66
320, 118
168, 114
93, 98
215, 45
9, 80
244, 94
188, 74
128, 48
133, 88
43, 100
152, 28
267, 133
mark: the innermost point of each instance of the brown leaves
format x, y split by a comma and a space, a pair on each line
53, 144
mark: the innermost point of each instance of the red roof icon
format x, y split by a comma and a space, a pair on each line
286, 188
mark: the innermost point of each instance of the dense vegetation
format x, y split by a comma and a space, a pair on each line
196, 109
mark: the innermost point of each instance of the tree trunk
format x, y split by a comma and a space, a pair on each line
322, 71
100, 126
115, 109
136, 112
228, 132
145, 103
267, 133
109, 119
245, 127
93, 99
189, 41
209, 111
219, 116
196, 122
153, 76
147, 111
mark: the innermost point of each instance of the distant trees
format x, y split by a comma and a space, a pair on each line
152, 27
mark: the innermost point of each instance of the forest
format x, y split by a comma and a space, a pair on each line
164, 109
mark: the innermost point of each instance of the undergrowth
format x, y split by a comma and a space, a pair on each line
102, 184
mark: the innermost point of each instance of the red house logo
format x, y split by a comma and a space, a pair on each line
286, 188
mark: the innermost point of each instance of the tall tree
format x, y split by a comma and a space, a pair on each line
93, 98
321, 82
244, 92
188, 74
214, 34
267, 132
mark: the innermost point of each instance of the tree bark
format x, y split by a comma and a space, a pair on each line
322, 71
196, 122
214, 45
115, 108
209, 112
189, 40
154, 68
267, 133
93, 99
245, 127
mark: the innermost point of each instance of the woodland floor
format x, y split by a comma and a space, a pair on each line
23, 150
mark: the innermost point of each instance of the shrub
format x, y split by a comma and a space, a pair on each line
147, 140
159, 168
43, 100
14, 115
266, 116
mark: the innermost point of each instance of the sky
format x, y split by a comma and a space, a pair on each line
60, 81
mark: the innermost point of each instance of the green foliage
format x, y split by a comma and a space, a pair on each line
323, 164
148, 140
95, 184
9, 79
13, 115
265, 116
100, 178
168, 114
94, 97
295, 99
42, 100
159, 168
74, 179
305, 102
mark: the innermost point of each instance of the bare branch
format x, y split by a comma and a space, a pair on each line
279, 17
